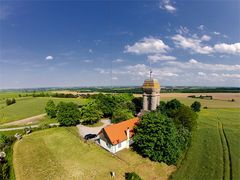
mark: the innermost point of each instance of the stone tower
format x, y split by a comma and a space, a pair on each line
151, 94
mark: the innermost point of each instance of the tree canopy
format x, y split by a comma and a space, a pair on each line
121, 115
156, 137
68, 114
90, 113
51, 109
196, 106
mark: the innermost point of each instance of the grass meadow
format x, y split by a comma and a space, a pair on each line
214, 152
58, 153
30, 106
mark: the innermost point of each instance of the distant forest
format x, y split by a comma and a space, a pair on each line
134, 89
138, 90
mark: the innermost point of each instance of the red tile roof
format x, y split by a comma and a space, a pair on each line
117, 132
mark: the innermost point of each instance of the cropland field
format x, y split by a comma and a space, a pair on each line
30, 106
214, 153
220, 100
59, 153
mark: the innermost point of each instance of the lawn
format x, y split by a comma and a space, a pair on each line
31, 106
214, 153
58, 153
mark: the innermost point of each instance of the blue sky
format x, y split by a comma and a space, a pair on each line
101, 43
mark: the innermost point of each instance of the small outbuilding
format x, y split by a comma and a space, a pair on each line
116, 137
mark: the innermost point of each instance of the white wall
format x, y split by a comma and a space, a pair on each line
114, 148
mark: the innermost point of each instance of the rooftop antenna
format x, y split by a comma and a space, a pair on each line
150, 72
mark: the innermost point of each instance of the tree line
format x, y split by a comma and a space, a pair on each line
117, 107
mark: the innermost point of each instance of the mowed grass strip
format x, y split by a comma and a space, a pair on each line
28, 107
58, 153
205, 158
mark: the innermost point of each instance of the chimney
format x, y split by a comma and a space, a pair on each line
128, 137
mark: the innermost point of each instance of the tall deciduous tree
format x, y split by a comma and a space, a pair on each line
196, 106
156, 137
186, 117
51, 109
121, 115
90, 113
68, 114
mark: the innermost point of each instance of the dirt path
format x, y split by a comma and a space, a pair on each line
23, 127
25, 121
227, 162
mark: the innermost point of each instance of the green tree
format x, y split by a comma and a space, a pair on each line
68, 114
121, 115
90, 113
13, 100
172, 107
156, 137
10, 101
196, 106
186, 117
138, 103
51, 109
162, 108
106, 103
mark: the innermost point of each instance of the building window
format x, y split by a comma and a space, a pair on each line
119, 145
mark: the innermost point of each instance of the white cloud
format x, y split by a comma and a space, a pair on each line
114, 78
193, 61
160, 57
216, 33
201, 74
227, 48
102, 71
201, 27
205, 38
196, 65
231, 75
142, 71
87, 61
90, 51
194, 44
49, 58
167, 5
148, 45
118, 60
182, 30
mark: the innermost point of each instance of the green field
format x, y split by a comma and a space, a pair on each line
30, 106
58, 153
214, 153
216, 104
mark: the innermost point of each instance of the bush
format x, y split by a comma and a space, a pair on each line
156, 137
68, 114
132, 176
196, 106
10, 101
51, 109
4, 170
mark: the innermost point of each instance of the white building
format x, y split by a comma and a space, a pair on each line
116, 137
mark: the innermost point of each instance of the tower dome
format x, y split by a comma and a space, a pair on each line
151, 84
